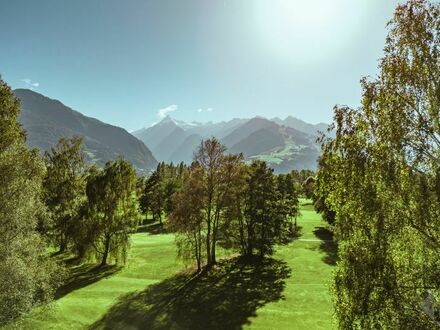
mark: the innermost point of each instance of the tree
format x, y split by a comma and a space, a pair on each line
214, 176
220, 172
159, 188
299, 177
187, 218
382, 176
322, 191
265, 214
64, 189
27, 276
289, 196
152, 198
112, 209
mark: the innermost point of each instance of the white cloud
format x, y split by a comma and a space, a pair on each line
31, 84
205, 110
162, 113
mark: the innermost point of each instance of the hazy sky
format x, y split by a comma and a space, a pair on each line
130, 62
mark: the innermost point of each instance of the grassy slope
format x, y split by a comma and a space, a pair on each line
307, 303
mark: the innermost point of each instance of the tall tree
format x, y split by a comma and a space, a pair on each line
288, 196
64, 188
265, 214
187, 218
27, 276
220, 172
113, 209
214, 177
382, 173
209, 156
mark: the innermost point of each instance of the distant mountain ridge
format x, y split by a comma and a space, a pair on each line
47, 120
285, 144
301, 125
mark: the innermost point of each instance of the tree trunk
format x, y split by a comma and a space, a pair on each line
208, 239
106, 250
63, 243
263, 236
250, 238
213, 243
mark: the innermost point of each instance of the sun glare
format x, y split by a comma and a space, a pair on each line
307, 31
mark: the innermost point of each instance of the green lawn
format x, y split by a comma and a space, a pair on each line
307, 301
287, 292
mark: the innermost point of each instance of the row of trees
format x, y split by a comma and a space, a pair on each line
379, 183
224, 200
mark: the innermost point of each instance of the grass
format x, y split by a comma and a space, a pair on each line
289, 291
307, 301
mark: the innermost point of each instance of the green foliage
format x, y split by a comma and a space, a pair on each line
64, 191
322, 191
381, 177
211, 185
224, 200
112, 209
27, 276
159, 189
268, 203
187, 218
303, 183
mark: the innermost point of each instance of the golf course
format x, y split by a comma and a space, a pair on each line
156, 291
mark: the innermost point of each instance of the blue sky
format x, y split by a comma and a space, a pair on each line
130, 62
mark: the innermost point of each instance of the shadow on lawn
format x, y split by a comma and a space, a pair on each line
153, 229
223, 298
328, 245
84, 275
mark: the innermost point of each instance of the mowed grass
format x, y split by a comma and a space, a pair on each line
307, 300
152, 258
291, 292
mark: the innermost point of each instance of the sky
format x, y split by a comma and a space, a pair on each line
130, 63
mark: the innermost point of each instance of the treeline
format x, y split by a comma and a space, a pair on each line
378, 184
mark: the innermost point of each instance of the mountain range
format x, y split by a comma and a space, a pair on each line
46, 121
284, 144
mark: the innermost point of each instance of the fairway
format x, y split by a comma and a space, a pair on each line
307, 301
302, 301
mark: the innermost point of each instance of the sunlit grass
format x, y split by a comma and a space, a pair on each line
304, 301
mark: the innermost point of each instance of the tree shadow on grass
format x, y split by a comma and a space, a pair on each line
153, 229
328, 245
222, 298
84, 275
